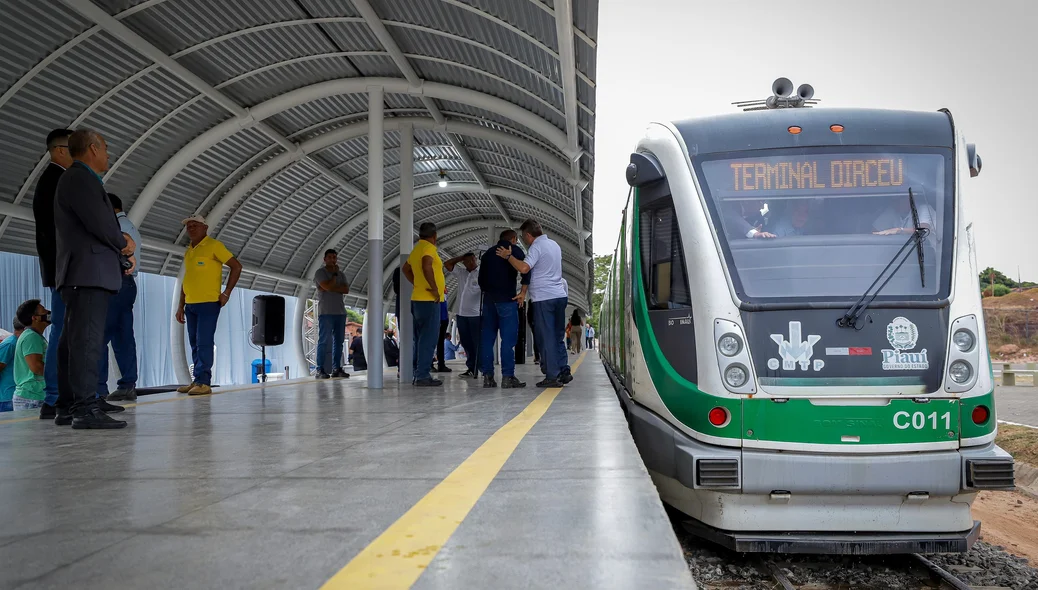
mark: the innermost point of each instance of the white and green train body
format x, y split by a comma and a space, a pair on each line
757, 413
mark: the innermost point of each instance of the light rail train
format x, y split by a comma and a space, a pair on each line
793, 325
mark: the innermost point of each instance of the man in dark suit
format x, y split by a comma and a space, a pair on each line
90, 250
46, 249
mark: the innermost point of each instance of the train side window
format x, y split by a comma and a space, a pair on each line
663, 260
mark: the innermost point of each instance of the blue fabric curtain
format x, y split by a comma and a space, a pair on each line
20, 280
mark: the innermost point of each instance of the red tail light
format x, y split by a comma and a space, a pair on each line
981, 415
718, 416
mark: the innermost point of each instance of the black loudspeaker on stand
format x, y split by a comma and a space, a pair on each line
268, 326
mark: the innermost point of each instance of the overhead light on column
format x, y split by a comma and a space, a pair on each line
443, 179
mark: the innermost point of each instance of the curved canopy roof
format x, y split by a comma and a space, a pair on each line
254, 114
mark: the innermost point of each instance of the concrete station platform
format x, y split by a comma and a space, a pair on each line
304, 484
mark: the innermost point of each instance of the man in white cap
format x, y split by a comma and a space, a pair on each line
201, 298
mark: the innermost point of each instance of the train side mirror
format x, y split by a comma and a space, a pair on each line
974, 160
644, 170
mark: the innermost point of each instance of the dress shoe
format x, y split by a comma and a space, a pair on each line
200, 389
444, 369
48, 412
109, 408
63, 417
96, 419
549, 383
340, 374
510, 382
123, 395
488, 381
322, 375
428, 382
185, 388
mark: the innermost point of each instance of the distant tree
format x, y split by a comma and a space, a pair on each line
996, 290
353, 315
602, 264
999, 278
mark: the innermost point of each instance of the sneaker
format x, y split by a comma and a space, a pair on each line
123, 395
109, 408
469, 373
488, 381
200, 389
429, 382
48, 412
340, 374
510, 382
548, 383
96, 419
444, 369
322, 375
566, 377
63, 417
185, 388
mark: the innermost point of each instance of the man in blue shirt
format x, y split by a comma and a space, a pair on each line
544, 264
119, 324
7, 383
501, 310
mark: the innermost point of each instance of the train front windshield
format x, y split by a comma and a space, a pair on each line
820, 224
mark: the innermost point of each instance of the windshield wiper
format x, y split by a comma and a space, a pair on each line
850, 319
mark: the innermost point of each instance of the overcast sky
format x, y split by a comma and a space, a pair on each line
662, 60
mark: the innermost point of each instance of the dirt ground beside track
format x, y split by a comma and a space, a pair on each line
1009, 519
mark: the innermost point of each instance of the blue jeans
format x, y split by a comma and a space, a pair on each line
50, 364
330, 328
550, 318
119, 331
426, 317
201, 332
7, 406
468, 331
503, 317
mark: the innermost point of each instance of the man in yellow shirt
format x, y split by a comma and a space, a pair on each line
201, 298
424, 270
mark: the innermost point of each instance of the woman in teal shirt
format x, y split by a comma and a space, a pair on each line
28, 356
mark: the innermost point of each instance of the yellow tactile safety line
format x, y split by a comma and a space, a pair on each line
401, 553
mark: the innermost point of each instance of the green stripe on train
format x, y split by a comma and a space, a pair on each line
683, 398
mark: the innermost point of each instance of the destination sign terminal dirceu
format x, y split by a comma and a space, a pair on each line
803, 174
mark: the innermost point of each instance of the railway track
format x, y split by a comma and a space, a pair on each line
913, 571
985, 568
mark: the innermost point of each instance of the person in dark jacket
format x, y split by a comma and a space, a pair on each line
46, 249
88, 271
390, 349
360, 363
501, 304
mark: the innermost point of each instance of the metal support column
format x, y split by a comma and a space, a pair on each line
176, 335
375, 228
406, 244
296, 336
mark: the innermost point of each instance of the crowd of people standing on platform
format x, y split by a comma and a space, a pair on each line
491, 290
87, 248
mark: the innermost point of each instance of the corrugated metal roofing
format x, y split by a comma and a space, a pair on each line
255, 51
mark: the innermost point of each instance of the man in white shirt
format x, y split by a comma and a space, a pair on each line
589, 332
467, 274
544, 264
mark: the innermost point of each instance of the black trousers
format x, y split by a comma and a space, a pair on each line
439, 345
79, 348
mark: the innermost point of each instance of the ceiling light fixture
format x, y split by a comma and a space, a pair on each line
443, 179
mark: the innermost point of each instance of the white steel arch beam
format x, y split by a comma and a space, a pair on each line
568, 68
294, 98
356, 130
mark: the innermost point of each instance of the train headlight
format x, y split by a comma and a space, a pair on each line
960, 371
964, 340
729, 345
735, 376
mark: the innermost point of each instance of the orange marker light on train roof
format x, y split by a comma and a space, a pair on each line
794, 129
836, 128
